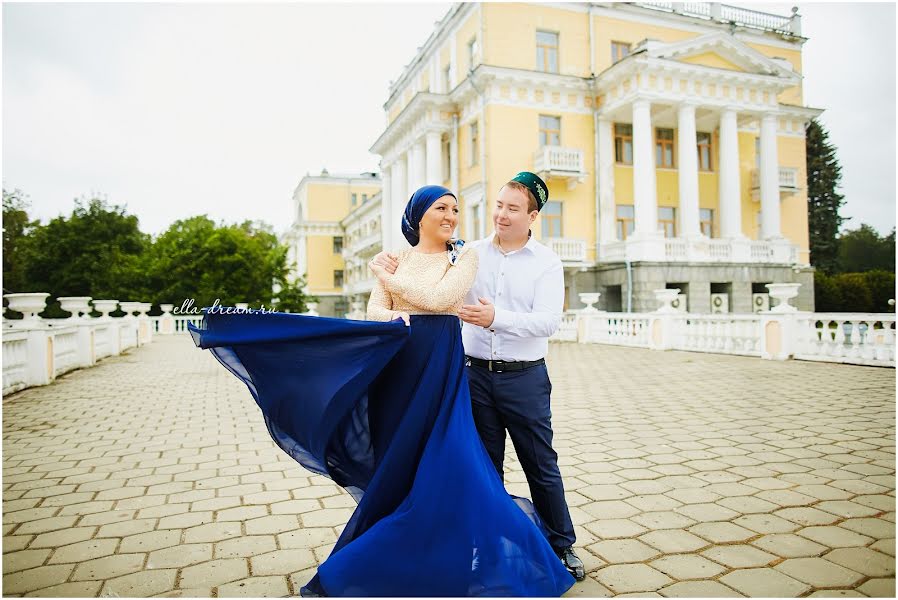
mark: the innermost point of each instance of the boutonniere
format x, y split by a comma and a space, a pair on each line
455, 250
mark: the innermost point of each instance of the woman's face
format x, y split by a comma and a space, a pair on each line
440, 220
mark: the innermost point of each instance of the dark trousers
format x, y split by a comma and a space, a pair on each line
518, 401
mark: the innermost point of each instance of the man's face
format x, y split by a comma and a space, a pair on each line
510, 217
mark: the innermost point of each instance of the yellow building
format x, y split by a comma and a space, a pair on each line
316, 239
671, 136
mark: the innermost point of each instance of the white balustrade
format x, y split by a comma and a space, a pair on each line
864, 339
720, 334
567, 331
556, 158
619, 329
569, 250
15, 361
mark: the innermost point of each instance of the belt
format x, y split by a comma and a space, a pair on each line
500, 366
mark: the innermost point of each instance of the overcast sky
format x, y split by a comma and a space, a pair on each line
176, 110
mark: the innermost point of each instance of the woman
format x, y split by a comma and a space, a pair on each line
382, 407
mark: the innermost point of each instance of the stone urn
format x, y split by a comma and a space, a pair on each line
77, 305
589, 298
144, 308
167, 308
312, 309
28, 303
783, 292
130, 308
665, 298
104, 307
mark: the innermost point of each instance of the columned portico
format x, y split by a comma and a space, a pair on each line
644, 187
728, 176
688, 171
769, 179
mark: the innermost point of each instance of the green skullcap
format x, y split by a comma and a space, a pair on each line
536, 185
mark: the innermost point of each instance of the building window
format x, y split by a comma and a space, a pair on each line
338, 278
664, 151
364, 198
549, 131
474, 223
626, 221
447, 79
551, 220
704, 151
445, 159
475, 144
623, 143
547, 51
619, 50
667, 219
706, 221
355, 199
338, 245
472, 53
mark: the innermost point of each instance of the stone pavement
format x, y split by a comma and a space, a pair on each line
687, 474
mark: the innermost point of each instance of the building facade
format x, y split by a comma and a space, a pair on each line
318, 237
671, 136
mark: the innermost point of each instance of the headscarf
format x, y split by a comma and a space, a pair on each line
417, 206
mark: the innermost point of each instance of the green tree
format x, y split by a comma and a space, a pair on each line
863, 249
17, 227
824, 202
97, 251
854, 292
827, 295
199, 260
882, 289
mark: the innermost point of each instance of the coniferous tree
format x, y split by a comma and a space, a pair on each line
824, 201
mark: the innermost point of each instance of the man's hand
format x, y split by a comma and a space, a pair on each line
478, 314
385, 260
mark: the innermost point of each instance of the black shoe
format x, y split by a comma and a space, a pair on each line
572, 563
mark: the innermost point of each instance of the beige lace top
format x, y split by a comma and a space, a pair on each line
424, 284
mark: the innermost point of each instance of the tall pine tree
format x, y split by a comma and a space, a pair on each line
824, 174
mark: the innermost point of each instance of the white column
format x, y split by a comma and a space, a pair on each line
420, 165
415, 167
434, 159
728, 176
397, 205
687, 149
769, 179
386, 195
644, 187
608, 231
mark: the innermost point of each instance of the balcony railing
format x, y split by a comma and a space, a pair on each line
570, 250
556, 158
788, 178
700, 250
730, 14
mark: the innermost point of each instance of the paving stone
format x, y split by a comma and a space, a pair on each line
863, 560
35, 579
611, 509
663, 520
739, 556
179, 556
699, 589
884, 546
588, 588
307, 537
78, 589
766, 523
687, 566
141, 584
836, 594
24, 559
241, 513
879, 588
788, 545
847, 509
632, 578
213, 532
748, 504
46, 525
153, 540
108, 567
213, 573
807, 516
282, 562
126, 528
185, 520
16, 542
674, 540
623, 551
819, 572
82, 551
296, 507
707, 512
325, 517
834, 537
720, 532
255, 587
61, 537
615, 528
245, 546
764, 582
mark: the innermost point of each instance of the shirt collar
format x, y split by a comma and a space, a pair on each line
494, 242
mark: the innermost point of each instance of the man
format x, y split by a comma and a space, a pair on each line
511, 310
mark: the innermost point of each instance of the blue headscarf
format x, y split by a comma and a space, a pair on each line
417, 206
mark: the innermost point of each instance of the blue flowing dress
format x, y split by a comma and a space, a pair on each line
384, 410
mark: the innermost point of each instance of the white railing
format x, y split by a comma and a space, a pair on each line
15, 361
675, 249
720, 334
567, 331
788, 179
620, 329
104, 342
721, 250
700, 249
568, 249
558, 159
731, 14
65, 350
867, 339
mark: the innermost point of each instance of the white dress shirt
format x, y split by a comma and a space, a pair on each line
526, 287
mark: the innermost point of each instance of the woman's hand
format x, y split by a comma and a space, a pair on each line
401, 315
379, 271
